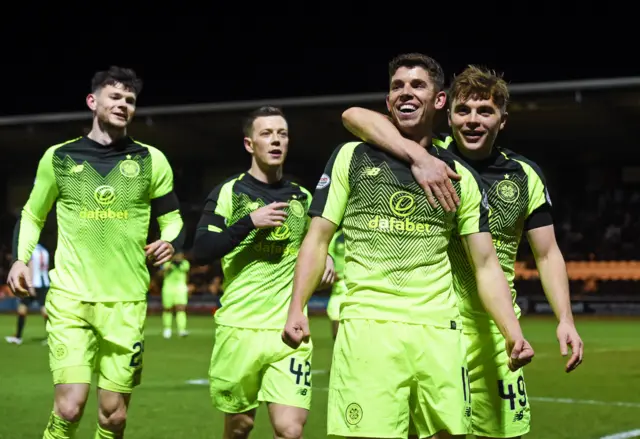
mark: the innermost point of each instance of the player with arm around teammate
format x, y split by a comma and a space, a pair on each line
400, 295
519, 201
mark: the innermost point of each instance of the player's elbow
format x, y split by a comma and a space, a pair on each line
488, 271
349, 114
546, 250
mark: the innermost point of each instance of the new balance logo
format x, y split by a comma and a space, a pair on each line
519, 416
371, 172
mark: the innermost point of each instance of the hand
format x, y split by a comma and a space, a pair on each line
329, 276
159, 251
19, 279
296, 331
434, 177
568, 336
520, 353
270, 215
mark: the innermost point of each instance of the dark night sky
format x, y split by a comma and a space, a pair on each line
48, 67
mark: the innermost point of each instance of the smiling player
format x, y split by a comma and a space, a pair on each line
105, 186
519, 202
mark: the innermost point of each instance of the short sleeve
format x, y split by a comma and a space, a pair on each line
161, 175
473, 212
537, 186
539, 207
332, 191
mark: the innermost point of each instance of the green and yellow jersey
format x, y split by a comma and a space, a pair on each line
176, 275
396, 262
104, 197
518, 202
257, 264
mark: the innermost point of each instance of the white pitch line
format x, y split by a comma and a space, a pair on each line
205, 381
585, 401
624, 435
593, 351
561, 401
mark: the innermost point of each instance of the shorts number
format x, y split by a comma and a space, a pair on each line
136, 358
522, 391
297, 371
466, 386
511, 396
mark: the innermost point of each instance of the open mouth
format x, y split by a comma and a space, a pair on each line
275, 153
408, 108
120, 116
472, 136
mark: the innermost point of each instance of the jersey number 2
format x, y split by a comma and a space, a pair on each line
136, 358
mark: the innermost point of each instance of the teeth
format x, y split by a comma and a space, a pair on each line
409, 107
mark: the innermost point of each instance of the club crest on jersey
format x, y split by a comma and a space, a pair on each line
129, 168
323, 182
353, 414
508, 191
296, 208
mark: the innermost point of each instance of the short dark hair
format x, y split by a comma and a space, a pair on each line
117, 75
410, 60
267, 110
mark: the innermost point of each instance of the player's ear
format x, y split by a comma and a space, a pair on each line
449, 116
503, 120
441, 100
92, 101
388, 104
248, 145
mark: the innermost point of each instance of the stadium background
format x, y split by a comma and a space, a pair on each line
582, 132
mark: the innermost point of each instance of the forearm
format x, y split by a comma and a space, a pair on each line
26, 235
496, 298
214, 243
34, 214
553, 275
309, 270
377, 129
172, 229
